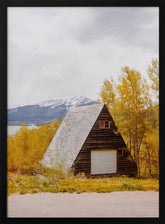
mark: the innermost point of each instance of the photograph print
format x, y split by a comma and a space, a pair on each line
83, 112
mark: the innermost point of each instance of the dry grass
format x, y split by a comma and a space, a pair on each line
50, 182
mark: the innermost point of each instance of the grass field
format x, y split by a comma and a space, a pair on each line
23, 184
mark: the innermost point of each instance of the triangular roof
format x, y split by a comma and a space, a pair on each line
71, 135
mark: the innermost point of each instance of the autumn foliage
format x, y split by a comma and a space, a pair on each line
134, 105
27, 147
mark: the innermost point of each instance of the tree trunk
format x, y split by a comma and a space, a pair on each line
149, 162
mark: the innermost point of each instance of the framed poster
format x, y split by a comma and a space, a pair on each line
59, 55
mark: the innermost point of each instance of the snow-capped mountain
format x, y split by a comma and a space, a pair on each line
46, 111
69, 102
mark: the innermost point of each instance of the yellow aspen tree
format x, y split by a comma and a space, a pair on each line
11, 153
108, 96
133, 100
27, 147
153, 74
135, 114
151, 143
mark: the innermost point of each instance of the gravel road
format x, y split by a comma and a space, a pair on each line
115, 204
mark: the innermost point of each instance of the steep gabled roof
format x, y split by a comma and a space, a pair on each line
71, 135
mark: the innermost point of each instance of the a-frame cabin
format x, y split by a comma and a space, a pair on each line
88, 142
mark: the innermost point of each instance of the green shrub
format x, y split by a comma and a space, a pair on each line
33, 191
23, 191
11, 188
45, 183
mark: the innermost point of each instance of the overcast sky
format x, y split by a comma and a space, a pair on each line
69, 51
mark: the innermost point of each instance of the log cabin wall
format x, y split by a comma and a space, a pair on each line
101, 139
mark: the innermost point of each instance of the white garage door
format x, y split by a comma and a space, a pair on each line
103, 161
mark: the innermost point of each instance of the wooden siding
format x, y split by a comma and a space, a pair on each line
104, 139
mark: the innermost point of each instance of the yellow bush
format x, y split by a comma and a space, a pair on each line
27, 147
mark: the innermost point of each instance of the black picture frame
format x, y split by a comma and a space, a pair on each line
4, 4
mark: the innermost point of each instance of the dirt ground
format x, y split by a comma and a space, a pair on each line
115, 204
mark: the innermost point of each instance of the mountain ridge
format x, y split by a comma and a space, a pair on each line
45, 111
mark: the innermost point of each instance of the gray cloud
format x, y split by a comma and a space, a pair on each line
131, 26
56, 52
